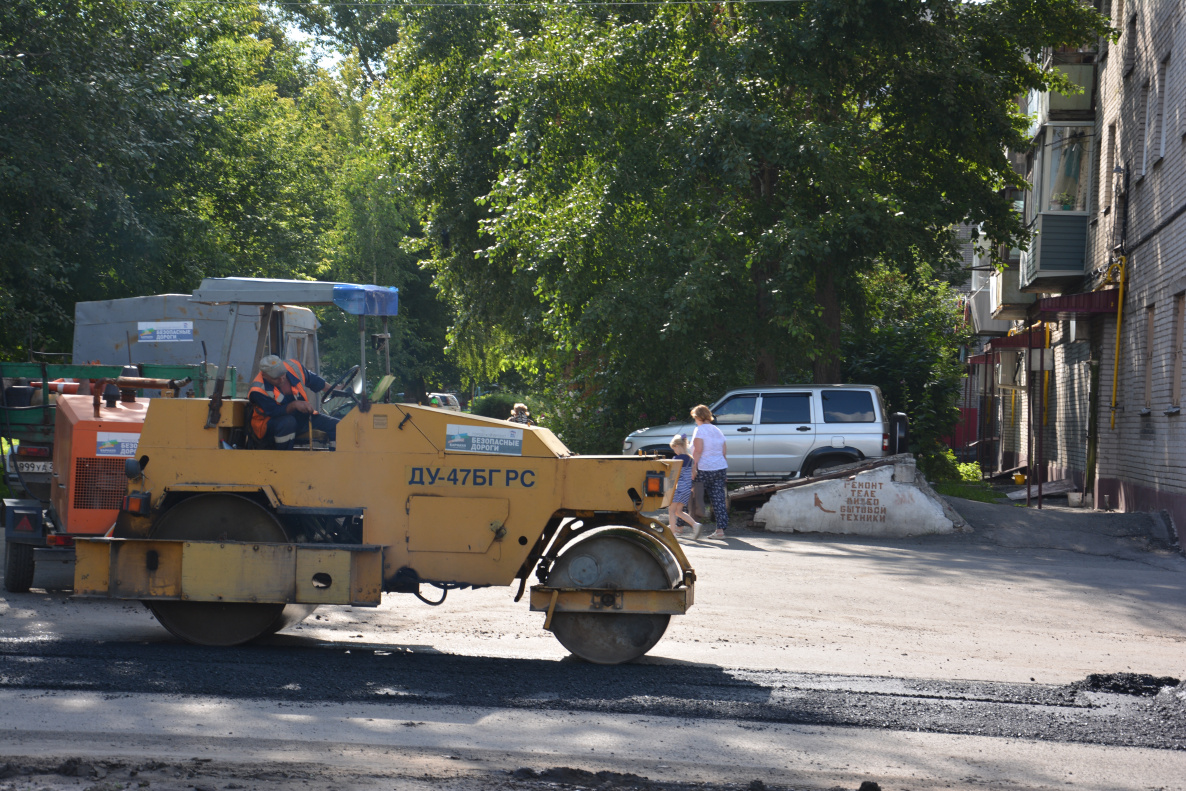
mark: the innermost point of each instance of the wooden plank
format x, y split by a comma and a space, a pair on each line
760, 490
1049, 488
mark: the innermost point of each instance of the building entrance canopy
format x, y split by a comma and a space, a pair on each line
1076, 306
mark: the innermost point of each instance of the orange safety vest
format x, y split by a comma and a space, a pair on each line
259, 419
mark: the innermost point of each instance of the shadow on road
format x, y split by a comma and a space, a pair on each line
1068, 558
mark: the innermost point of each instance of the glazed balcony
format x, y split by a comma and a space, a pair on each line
1008, 301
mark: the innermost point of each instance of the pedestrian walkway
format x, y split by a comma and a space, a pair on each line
1147, 538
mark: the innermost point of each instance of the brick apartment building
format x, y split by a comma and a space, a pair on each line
1057, 395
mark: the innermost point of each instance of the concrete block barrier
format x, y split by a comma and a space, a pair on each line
893, 500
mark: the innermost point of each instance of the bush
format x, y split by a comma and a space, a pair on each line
942, 466
970, 472
939, 466
495, 405
499, 405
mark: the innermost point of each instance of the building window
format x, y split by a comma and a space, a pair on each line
1179, 319
1109, 175
1130, 46
1065, 179
1157, 133
1146, 112
1149, 313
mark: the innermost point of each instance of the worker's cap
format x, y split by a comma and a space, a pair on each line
272, 365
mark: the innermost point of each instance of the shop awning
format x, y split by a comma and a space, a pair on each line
1074, 306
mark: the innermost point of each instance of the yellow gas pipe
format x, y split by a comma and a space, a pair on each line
1046, 383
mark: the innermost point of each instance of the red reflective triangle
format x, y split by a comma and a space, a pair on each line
24, 525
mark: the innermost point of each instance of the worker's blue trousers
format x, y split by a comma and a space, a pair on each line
284, 429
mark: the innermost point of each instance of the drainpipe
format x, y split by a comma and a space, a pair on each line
1093, 418
1029, 418
1041, 421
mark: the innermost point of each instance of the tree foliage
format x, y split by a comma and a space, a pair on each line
92, 97
144, 146
907, 341
653, 203
627, 209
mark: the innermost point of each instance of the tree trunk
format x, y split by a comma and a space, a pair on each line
825, 368
766, 369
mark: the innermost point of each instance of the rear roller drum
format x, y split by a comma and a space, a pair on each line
222, 517
617, 563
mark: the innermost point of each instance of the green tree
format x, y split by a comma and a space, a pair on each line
144, 146
371, 220
92, 95
363, 29
907, 341
657, 202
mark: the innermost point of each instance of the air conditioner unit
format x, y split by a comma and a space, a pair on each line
1011, 369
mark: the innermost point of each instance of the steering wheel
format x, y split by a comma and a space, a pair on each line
339, 398
340, 382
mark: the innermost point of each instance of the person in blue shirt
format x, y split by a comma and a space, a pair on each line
280, 403
683, 491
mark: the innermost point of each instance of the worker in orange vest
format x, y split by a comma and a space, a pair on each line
280, 402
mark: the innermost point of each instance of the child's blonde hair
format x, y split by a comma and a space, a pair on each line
679, 444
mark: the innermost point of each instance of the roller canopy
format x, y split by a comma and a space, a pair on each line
357, 300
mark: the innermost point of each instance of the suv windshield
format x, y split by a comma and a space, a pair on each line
848, 406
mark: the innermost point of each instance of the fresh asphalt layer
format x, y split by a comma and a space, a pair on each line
1144, 715
1039, 650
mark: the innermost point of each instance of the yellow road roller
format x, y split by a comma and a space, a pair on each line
226, 541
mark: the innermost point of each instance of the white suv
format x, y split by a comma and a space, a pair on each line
783, 431
448, 401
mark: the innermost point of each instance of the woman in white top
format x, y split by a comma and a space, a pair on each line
710, 466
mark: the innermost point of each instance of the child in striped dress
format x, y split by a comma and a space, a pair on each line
683, 491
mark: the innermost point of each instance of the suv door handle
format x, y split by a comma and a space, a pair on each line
803, 428
743, 429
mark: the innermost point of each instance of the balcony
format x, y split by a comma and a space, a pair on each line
1005, 295
1046, 108
1056, 209
1057, 253
980, 303
980, 306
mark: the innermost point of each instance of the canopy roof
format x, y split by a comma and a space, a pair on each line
357, 300
1072, 306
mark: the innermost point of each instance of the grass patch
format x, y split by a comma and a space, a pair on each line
979, 492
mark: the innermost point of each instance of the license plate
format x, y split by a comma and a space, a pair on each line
35, 466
